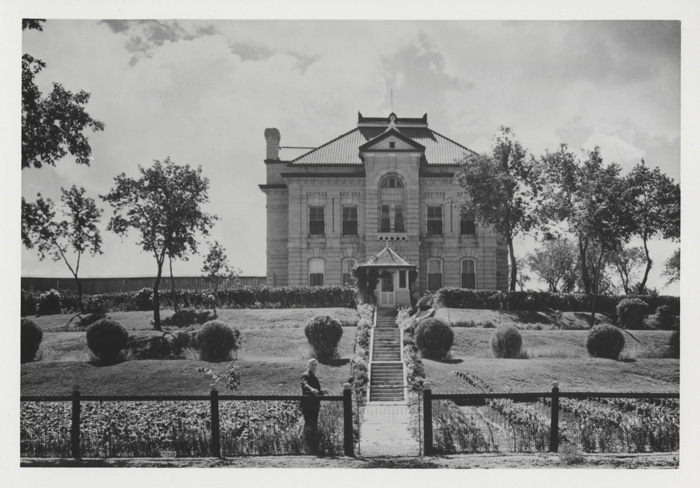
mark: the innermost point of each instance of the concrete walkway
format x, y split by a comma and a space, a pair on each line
385, 431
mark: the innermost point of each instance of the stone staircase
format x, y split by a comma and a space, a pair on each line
386, 382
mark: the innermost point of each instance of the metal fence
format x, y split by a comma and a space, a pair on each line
542, 421
96, 286
177, 425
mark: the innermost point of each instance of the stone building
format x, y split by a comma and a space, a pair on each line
387, 183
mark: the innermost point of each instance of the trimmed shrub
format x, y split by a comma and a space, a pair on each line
28, 306
189, 316
323, 333
605, 341
107, 339
30, 338
143, 299
673, 349
216, 341
434, 338
49, 303
631, 312
507, 342
665, 319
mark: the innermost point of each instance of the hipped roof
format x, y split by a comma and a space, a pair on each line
387, 258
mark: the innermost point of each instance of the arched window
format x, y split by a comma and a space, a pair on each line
316, 271
434, 274
468, 273
392, 204
348, 265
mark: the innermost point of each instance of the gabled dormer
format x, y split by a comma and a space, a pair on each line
391, 140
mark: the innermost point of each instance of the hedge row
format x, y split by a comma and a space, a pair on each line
239, 297
543, 301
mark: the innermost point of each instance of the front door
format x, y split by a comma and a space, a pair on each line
387, 296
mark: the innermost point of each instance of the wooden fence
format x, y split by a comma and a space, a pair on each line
555, 395
95, 286
214, 398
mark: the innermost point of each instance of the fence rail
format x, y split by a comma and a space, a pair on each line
214, 398
554, 395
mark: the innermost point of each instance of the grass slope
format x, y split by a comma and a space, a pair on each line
563, 320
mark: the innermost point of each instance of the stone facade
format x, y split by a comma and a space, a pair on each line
388, 182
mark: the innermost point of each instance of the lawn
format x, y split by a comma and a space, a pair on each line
272, 356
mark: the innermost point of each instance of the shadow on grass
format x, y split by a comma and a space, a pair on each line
529, 317
335, 362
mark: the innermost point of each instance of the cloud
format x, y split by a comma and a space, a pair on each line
615, 149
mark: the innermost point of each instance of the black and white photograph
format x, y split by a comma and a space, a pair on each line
357, 237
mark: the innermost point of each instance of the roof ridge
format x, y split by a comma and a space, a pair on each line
326, 144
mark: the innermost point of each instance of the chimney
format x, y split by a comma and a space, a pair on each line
272, 136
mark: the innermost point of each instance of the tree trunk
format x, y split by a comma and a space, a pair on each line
643, 284
595, 286
79, 289
156, 300
513, 265
172, 285
585, 278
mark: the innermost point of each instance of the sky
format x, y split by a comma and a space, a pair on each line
202, 92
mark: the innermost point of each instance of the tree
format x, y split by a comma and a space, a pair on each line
52, 126
54, 237
216, 266
672, 267
656, 201
555, 262
602, 212
626, 262
164, 206
501, 190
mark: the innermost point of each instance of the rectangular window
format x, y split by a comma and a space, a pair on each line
349, 221
434, 274
402, 279
467, 226
316, 272
398, 219
317, 224
468, 274
385, 220
435, 220
388, 282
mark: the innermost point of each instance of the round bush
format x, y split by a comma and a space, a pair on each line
434, 338
143, 299
664, 318
605, 341
507, 342
323, 333
49, 303
216, 341
674, 344
631, 312
106, 339
30, 336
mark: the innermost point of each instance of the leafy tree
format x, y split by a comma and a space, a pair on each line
555, 262
501, 190
626, 262
55, 237
52, 126
656, 201
672, 267
602, 212
164, 206
216, 266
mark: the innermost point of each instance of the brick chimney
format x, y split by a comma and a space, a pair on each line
272, 136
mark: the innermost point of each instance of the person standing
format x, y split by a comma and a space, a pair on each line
311, 405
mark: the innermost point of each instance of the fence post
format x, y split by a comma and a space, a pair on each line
215, 439
347, 420
427, 420
554, 427
75, 426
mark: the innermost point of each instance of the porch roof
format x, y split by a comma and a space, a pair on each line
386, 258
